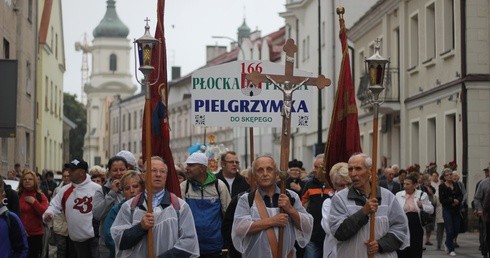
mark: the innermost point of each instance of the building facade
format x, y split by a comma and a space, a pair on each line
50, 70
437, 96
18, 44
314, 26
110, 76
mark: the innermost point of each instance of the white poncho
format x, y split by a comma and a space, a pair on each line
257, 245
170, 231
390, 218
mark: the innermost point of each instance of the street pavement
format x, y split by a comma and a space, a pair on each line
468, 243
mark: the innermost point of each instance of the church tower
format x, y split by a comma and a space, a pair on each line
110, 76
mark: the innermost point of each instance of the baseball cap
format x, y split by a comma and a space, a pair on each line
197, 158
128, 156
77, 163
486, 169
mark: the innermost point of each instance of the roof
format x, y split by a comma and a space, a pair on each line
44, 24
111, 26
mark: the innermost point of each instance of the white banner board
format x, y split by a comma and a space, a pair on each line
221, 96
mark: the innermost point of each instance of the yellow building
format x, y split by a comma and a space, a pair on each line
50, 70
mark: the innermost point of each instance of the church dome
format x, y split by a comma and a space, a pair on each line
111, 26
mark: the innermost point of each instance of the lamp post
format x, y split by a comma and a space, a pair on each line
250, 129
375, 68
145, 45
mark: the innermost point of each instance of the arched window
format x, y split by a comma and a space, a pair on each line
113, 62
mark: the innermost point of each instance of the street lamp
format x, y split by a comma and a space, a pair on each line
145, 45
375, 68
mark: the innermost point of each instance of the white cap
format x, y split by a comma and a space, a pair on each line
197, 158
129, 157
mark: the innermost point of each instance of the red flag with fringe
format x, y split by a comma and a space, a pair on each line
343, 135
160, 130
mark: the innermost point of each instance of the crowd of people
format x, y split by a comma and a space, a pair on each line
224, 212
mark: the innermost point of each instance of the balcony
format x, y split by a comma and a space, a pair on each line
390, 95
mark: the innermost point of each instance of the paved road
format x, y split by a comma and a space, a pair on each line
469, 247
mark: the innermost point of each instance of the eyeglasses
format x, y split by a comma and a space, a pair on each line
233, 162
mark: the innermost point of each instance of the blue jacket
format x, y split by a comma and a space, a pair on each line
13, 237
106, 228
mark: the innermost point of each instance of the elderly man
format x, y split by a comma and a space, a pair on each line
174, 234
314, 194
388, 182
257, 216
208, 198
76, 201
350, 210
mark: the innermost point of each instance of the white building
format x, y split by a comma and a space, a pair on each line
110, 76
319, 51
437, 105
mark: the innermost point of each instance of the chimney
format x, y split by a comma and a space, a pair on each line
214, 51
175, 72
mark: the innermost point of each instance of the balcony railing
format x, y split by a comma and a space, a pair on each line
391, 92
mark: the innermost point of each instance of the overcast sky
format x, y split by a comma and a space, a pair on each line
189, 26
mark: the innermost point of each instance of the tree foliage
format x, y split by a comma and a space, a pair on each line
75, 111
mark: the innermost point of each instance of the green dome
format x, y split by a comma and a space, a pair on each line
244, 30
111, 26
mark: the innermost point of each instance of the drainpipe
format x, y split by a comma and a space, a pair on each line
463, 95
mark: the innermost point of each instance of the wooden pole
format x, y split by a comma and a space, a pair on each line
148, 176
374, 175
252, 154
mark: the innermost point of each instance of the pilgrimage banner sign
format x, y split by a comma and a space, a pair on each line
222, 96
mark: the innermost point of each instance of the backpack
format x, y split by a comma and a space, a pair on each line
215, 185
173, 199
251, 197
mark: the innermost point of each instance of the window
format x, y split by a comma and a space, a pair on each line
29, 11
6, 48
129, 121
46, 97
448, 25
323, 34
308, 47
129, 146
141, 118
28, 78
124, 123
303, 54
414, 41
51, 45
113, 63
135, 114
56, 46
431, 140
51, 97
56, 100
28, 148
415, 143
430, 32
450, 137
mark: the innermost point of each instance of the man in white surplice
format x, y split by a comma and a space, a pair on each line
257, 218
174, 233
350, 210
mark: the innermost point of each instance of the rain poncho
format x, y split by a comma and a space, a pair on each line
391, 225
257, 245
173, 232
329, 243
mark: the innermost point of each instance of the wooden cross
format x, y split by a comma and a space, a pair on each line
286, 83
